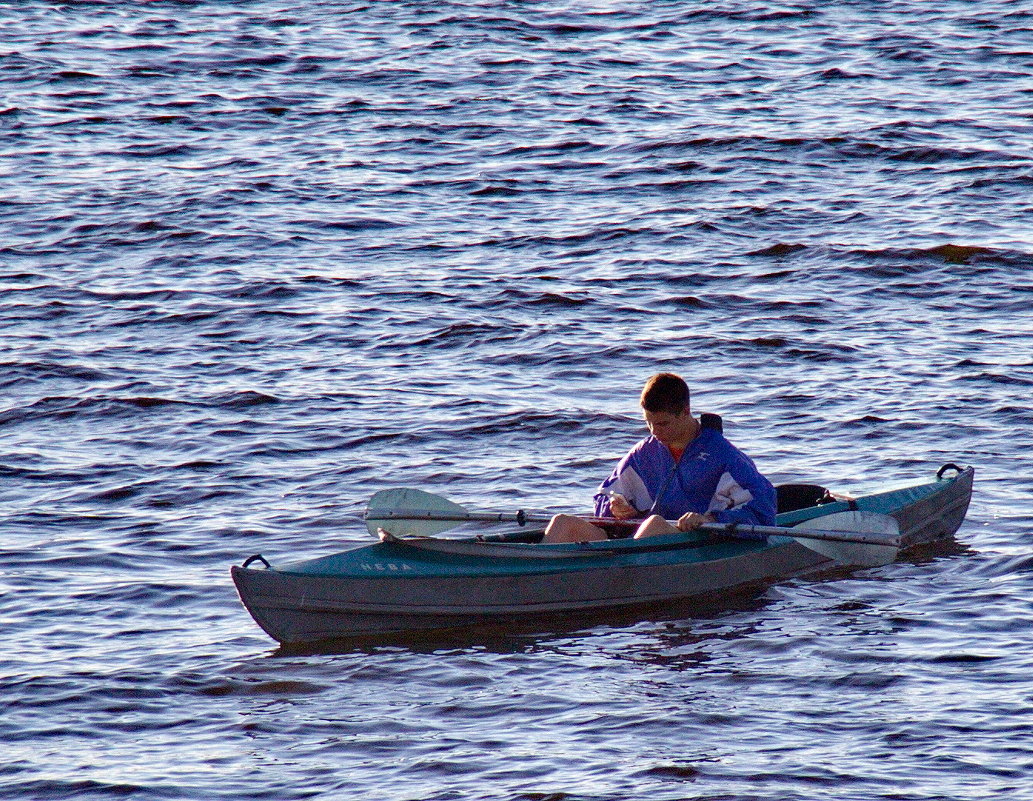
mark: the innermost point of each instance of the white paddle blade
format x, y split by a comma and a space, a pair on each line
388, 508
855, 554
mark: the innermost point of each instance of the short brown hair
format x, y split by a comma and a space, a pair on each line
665, 392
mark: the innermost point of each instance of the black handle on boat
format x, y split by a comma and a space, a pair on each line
256, 558
946, 467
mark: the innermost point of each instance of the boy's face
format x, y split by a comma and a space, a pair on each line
670, 428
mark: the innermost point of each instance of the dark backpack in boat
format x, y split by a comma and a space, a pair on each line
790, 497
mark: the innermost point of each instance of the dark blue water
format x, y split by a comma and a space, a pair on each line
260, 260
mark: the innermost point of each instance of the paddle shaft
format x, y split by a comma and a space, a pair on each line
732, 529
729, 529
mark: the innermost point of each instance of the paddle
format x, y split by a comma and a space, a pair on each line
415, 513
864, 539
861, 539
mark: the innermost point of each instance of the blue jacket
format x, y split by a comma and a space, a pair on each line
711, 476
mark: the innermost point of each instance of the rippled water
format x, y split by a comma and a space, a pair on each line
260, 260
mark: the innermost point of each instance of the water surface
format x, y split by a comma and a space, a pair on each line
259, 261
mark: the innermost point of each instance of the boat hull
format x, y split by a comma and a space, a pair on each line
295, 608
395, 587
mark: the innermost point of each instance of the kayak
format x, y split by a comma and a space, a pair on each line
424, 583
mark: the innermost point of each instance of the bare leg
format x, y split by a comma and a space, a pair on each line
652, 526
568, 528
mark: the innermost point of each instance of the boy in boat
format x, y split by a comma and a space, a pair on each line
682, 471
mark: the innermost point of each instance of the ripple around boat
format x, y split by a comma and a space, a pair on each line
404, 585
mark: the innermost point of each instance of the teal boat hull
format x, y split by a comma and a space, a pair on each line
393, 587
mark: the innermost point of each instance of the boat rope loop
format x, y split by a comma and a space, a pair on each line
256, 558
945, 468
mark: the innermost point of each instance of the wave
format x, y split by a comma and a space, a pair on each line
906, 260
104, 405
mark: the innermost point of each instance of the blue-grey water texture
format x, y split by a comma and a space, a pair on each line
259, 260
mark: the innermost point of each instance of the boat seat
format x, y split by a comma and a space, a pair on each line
711, 420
